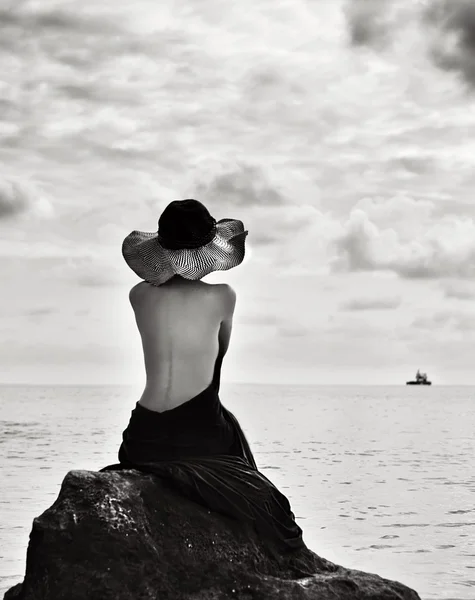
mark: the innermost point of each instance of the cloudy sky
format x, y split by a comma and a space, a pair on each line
340, 132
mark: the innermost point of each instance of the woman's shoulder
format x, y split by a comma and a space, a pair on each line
222, 296
138, 291
223, 291
228, 295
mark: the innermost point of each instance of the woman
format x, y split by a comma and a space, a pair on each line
179, 429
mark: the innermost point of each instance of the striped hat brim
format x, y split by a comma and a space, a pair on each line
155, 264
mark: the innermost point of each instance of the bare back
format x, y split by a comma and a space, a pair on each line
182, 324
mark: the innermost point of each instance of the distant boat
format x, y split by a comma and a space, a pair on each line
421, 379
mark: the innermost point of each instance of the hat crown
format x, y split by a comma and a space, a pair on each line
186, 224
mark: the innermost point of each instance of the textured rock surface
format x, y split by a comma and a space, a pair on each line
129, 536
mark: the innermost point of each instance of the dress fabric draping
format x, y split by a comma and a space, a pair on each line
200, 447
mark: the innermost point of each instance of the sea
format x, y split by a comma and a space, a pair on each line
380, 479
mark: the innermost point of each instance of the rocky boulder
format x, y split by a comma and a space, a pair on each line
130, 536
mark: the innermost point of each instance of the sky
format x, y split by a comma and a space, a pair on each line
340, 132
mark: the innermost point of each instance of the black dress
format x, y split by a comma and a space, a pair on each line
202, 449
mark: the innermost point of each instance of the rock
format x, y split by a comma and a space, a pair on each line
125, 535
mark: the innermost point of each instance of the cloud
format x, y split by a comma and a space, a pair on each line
97, 268
459, 291
292, 330
399, 210
40, 312
98, 272
444, 28
406, 236
240, 185
459, 321
265, 200
100, 279
260, 319
362, 304
13, 200
18, 198
452, 27
54, 20
290, 228
417, 248
367, 22
357, 329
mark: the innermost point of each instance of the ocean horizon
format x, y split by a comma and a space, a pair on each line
224, 382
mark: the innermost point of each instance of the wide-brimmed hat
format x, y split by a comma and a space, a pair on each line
189, 242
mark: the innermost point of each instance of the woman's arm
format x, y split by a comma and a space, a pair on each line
229, 303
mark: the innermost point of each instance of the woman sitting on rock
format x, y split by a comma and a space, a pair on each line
179, 429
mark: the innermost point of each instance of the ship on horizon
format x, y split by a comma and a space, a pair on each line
421, 379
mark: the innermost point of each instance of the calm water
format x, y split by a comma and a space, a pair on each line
381, 479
